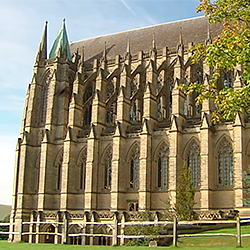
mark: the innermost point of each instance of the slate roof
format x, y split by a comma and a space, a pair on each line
166, 35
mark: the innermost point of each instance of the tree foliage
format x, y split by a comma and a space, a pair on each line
228, 51
246, 182
185, 195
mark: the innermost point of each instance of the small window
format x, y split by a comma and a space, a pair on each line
133, 206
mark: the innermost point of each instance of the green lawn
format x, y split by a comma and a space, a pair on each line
212, 243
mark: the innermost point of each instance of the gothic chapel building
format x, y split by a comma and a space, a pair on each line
106, 130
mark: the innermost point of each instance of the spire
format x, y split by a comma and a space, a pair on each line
104, 57
42, 51
208, 39
128, 53
153, 52
153, 43
61, 43
180, 46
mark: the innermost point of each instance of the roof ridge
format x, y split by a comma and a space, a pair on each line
141, 28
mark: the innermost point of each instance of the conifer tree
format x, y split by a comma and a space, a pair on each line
185, 195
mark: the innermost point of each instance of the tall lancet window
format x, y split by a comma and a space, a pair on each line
135, 83
193, 163
59, 173
44, 97
134, 169
108, 168
170, 86
162, 173
87, 103
110, 89
161, 96
82, 171
133, 111
228, 79
110, 115
225, 165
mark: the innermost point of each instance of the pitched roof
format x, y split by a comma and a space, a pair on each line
166, 35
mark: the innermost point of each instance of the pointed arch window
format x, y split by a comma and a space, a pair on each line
110, 115
225, 165
44, 97
59, 173
134, 84
135, 114
88, 105
193, 163
134, 169
228, 79
159, 108
108, 169
82, 172
163, 159
110, 89
160, 81
169, 95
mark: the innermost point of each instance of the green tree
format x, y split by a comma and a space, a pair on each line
185, 195
227, 51
246, 183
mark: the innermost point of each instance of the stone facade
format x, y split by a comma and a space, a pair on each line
106, 133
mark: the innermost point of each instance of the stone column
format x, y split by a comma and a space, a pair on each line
205, 148
144, 169
238, 134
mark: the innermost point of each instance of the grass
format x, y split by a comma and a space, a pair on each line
197, 243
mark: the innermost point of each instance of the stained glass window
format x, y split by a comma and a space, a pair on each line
225, 165
159, 108
45, 95
110, 89
228, 79
193, 163
133, 112
163, 167
59, 173
110, 115
82, 172
88, 109
108, 168
134, 168
134, 84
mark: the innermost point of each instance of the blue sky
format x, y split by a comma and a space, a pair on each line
21, 27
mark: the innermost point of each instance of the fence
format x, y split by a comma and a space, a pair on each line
118, 230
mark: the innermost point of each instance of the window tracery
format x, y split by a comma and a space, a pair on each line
135, 83
193, 163
82, 171
110, 89
163, 167
44, 97
225, 165
108, 168
88, 109
134, 168
59, 173
134, 113
228, 79
110, 115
